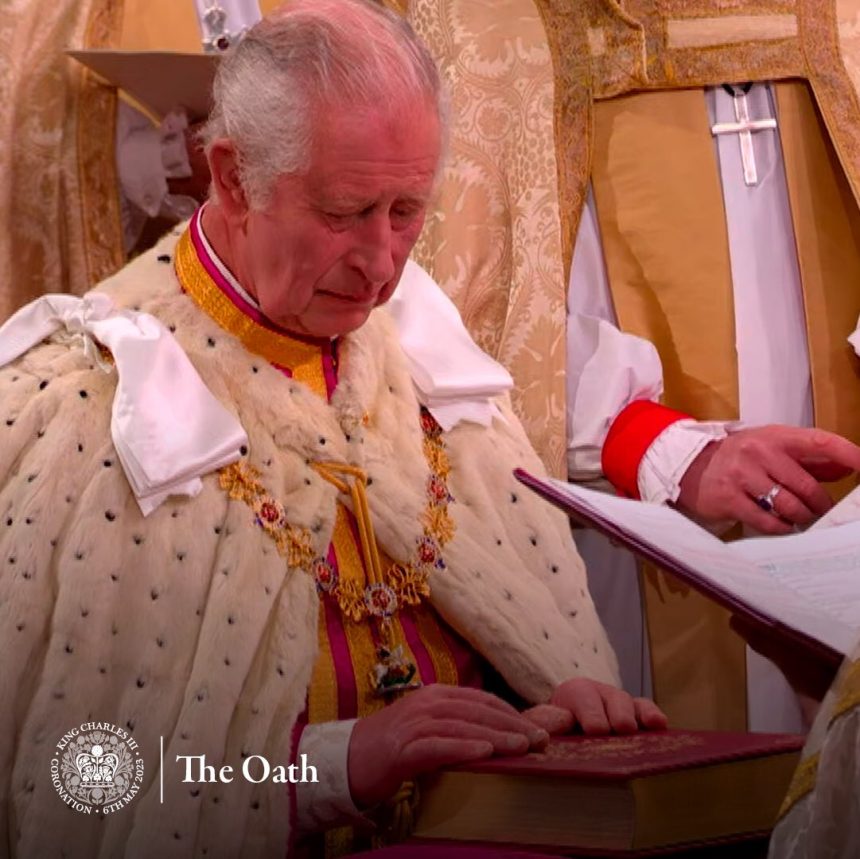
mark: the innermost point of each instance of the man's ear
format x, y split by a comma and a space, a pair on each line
224, 167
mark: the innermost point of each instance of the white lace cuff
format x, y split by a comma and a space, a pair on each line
327, 803
671, 454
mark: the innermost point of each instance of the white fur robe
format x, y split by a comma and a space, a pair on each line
188, 625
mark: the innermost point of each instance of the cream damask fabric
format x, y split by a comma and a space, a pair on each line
522, 75
493, 241
59, 212
820, 818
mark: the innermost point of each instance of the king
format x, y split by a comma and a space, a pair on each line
236, 490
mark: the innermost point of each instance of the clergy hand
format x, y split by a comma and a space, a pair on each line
433, 727
727, 477
595, 708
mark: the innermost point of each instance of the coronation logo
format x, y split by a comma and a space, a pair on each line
97, 767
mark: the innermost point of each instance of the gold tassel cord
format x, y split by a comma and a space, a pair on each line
357, 490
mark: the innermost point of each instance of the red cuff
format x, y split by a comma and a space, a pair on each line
629, 438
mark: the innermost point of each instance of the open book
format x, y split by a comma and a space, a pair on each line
803, 588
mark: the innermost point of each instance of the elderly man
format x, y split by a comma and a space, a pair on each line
231, 531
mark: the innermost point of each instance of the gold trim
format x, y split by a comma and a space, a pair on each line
835, 95
362, 648
434, 642
719, 32
848, 691
302, 359
573, 126
801, 785
322, 693
240, 482
99, 211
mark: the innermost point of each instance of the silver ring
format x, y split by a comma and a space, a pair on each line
766, 501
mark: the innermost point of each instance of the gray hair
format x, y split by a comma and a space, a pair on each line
307, 56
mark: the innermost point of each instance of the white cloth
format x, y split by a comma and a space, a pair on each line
147, 156
327, 803
773, 363
454, 379
770, 328
825, 823
167, 428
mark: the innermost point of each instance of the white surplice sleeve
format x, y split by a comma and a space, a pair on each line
607, 370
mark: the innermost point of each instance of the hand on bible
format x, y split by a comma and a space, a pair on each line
725, 479
433, 727
595, 708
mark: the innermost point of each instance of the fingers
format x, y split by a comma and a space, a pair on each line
826, 472
472, 706
821, 446
810, 498
724, 480
552, 719
585, 701
426, 754
748, 512
503, 742
649, 715
620, 711
443, 692
601, 709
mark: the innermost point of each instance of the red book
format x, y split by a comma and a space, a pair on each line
648, 793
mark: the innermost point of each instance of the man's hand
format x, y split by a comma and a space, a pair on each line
728, 475
433, 727
595, 708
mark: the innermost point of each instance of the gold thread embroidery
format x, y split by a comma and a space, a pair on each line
434, 642
302, 359
408, 583
801, 785
322, 693
848, 695
295, 544
99, 211
396, 584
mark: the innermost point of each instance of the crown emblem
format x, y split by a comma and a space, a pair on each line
97, 767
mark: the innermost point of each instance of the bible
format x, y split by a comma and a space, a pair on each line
799, 594
650, 792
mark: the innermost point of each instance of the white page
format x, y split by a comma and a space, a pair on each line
822, 567
772, 590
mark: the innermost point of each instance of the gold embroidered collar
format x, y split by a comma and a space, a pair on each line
276, 347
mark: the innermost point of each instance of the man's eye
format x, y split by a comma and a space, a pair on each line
340, 218
404, 213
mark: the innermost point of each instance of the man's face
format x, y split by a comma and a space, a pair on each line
331, 244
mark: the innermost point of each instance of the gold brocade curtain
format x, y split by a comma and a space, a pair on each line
59, 212
493, 238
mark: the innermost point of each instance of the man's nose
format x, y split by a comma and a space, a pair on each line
373, 253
